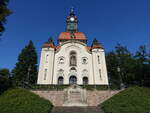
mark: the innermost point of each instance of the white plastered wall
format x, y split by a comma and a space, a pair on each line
81, 51
100, 71
46, 63
51, 63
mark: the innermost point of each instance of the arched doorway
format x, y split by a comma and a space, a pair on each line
60, 80
73, 80
85, 80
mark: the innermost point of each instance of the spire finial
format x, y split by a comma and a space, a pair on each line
72, 11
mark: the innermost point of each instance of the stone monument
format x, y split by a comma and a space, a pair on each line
75, 96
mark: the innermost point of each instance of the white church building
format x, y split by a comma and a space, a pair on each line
72, 61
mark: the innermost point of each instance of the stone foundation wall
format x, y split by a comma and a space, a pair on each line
94, 98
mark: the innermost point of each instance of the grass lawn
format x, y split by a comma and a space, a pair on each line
23, 101
131, 100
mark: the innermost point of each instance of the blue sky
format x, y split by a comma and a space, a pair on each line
110, 21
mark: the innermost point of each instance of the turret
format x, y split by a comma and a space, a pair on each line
49, 44
96, 44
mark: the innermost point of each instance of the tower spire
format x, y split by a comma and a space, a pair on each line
72, 11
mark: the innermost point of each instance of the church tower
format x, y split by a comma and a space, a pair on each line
72, 32
72, 61
72, 22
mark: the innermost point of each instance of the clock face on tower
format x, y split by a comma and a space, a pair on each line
72, 24
72, 19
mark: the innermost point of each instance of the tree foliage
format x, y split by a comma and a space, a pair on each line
5, 80
134, 68
25, 71
4, 12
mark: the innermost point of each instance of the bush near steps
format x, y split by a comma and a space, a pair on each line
131, 100
23, 101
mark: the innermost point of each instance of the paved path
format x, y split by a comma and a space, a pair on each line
77, 110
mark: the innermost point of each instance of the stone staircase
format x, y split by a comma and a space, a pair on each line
59, 98
77, 110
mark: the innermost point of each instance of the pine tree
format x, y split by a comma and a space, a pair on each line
25, 71
4, 12
5, 81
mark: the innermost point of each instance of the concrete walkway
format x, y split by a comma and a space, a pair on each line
77, 110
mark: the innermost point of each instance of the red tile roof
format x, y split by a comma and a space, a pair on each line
67, 36
48, 45
96, 46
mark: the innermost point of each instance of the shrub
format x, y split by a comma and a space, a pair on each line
23, 101
131, 100
62, 87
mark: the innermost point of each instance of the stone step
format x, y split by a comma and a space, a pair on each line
77, 110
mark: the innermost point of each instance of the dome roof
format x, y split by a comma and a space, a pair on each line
67, 36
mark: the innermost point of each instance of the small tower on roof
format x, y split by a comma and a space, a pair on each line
49, 43
72, 32
72, 22
96, 44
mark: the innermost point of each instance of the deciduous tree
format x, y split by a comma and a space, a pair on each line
4, 12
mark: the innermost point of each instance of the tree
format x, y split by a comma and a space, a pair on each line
126, 63
134, 69
5, 81
120, 64
112, 64
4, 12
142, 54
25, 71
4, 73
142, 65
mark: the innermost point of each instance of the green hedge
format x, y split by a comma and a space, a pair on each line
131, 100
49, 87
62, 87
23, 101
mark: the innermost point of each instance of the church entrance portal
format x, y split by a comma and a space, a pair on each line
73, 80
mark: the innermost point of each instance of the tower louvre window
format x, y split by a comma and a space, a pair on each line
98, 59
45, 74
47, 58
100, 74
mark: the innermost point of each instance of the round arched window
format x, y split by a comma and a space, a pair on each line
61, 60
73, 69
60, 80
84, 60
73, 58
85, 80
73, 80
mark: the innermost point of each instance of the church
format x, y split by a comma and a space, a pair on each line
72, 61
